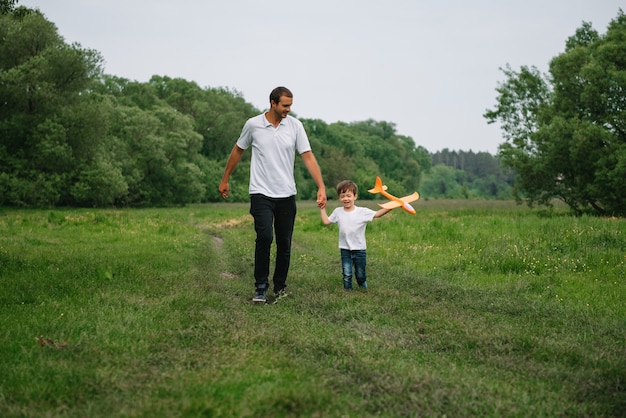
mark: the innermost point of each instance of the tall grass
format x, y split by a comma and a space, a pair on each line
473, 309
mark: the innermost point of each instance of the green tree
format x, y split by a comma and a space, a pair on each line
336, 162
7, 6
42, 79
218, 113
360, 151
484, 176
442, 181
101, 183
566, 133
157, 152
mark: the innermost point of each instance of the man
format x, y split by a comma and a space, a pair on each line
275, 137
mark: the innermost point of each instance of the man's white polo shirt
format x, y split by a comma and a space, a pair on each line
273, 154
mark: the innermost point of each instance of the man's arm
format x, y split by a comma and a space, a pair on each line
311, 164
232, 162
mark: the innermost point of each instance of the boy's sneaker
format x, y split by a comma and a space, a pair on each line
363, 286
259, 296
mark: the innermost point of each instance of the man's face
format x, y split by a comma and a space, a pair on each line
283, 107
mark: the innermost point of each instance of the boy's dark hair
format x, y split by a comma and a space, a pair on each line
347, 186
278, 92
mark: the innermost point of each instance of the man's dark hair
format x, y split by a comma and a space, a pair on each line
278, 92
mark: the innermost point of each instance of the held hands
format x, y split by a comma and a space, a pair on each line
321, 198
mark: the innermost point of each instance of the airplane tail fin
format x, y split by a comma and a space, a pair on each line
378, 187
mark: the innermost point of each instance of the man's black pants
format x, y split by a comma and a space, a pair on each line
272, 216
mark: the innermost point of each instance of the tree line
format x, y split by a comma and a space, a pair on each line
71, 135
467, 174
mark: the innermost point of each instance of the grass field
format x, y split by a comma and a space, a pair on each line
474, 308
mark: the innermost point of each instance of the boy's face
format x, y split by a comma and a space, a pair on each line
347, 198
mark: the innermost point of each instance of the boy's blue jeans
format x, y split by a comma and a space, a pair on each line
356, 259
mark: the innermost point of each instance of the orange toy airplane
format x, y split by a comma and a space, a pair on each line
394, 202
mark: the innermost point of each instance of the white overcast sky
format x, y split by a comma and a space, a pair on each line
431, 67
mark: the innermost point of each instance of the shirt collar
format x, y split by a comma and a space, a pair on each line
268, 123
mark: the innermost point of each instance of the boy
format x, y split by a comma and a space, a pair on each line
352, 221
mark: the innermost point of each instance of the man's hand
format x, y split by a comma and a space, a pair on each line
233, 160
321, 198
224, 188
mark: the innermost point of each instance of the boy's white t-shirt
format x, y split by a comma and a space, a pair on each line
352, 226
273, 154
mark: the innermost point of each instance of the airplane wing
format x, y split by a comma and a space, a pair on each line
410, 198
392, 204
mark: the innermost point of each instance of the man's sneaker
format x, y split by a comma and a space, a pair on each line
282, 293
259, 296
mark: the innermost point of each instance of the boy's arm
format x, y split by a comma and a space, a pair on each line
324, 216
381, 212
